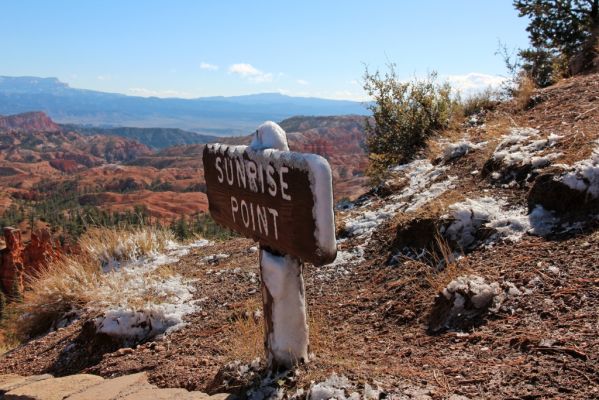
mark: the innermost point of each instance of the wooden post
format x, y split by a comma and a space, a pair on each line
284, 201
285, 320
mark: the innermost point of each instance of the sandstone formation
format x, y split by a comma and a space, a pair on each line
18, 260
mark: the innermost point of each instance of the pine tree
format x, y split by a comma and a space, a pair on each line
559, 31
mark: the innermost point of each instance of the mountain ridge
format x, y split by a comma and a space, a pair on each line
228, 115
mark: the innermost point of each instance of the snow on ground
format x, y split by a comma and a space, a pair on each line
139, 301
455, 150
469, 216
342, 265
419, 190
523, 146
584, 175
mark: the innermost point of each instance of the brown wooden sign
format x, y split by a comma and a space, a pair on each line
281, 199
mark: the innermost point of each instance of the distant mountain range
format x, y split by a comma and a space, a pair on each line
221, 116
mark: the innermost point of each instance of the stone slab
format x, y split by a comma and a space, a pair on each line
11, 381
115, 388
54, 389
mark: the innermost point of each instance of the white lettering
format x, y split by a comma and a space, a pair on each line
251, 171
220, 170
234, 207
229, 171
274, 214
284, 185
240, 172
262, 220
245, 216
272, 185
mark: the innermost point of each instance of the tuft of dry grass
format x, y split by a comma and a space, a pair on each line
483, 101
75, 282
116, 244
246, 333
524, 92
444, 255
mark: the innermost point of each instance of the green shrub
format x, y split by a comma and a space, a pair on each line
405, 114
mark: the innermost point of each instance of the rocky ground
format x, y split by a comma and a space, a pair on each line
464, 276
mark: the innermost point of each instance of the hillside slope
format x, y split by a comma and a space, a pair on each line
454, 280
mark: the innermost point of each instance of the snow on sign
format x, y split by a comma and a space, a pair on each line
281, 199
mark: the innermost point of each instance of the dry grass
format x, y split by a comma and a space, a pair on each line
524, 92
246, 334
445, 256
114, 244
77, 282
483, 101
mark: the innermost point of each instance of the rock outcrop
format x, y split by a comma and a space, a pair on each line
11, 261
18, 260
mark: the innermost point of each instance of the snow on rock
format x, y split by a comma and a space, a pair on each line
269, 135
455, 150
465, 299
422, 187
470, 216
139, 303
584, 175
523, 148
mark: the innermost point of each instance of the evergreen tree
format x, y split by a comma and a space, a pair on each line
559, 30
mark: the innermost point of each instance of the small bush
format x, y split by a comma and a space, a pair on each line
405, 115
486, 100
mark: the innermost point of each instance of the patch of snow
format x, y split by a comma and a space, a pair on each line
522, 146
346, 259
421, 188
542, 221
584, 175
469, 216
334, 387
459, 149
269, 135
138, 303
215, 257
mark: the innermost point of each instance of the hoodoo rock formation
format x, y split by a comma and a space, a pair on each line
18, 260
11, 260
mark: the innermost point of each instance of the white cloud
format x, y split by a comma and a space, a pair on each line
143, 92
248, 71
208, 66
474, 82
103, 77
354, 82
302, 82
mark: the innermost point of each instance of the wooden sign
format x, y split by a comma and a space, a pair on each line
281, 199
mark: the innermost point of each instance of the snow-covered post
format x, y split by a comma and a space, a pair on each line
284, 201
283, 294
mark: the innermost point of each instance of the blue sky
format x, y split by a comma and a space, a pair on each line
198, 48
